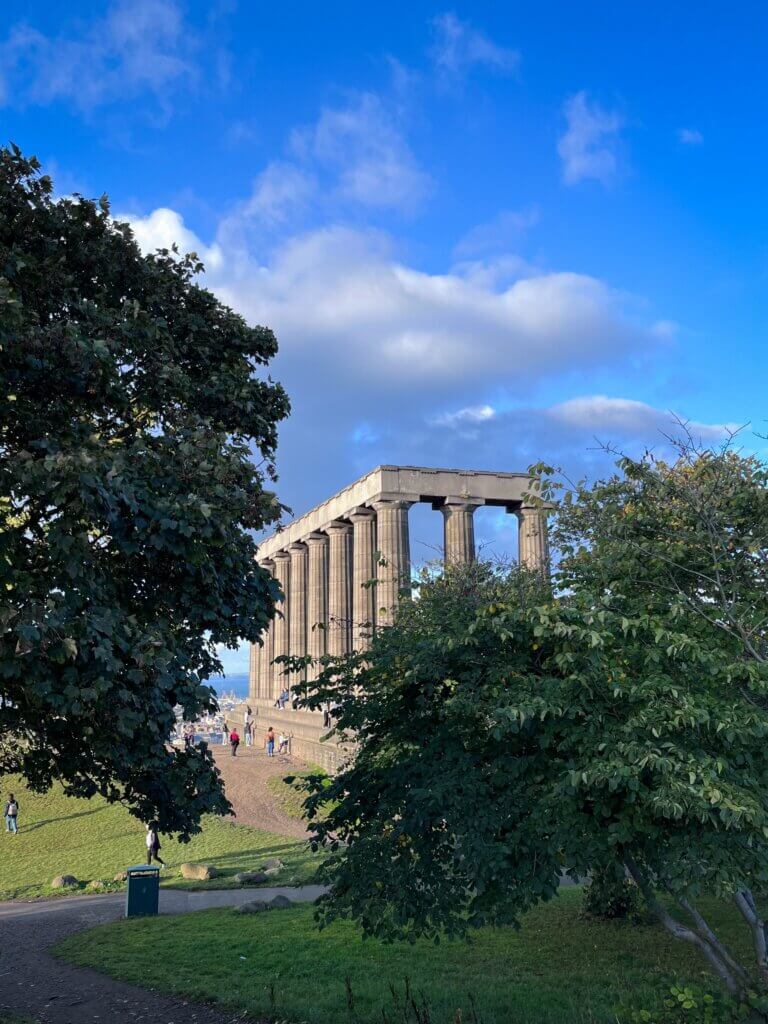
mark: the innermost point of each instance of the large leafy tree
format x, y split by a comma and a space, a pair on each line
508, 732
132, 407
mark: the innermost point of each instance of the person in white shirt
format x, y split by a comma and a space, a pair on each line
153, 846
282, 744
248, 726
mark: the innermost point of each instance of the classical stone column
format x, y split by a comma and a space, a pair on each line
254, 671
394, 546
265, 668
317, 600
363, 570
297, 612
533, 546
458, 532
339, 589
280, 627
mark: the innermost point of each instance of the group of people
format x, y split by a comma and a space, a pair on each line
249, 729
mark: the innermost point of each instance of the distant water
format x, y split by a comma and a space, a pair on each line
237, 683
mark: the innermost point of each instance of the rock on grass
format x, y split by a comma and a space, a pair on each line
199, 872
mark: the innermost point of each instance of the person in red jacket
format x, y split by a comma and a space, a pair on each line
234, 741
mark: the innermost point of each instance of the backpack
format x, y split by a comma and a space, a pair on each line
13, 809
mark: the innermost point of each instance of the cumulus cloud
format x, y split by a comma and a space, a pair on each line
458, 48
690, 136
383, 360
589, 146
341, 298
137, 47
163, 228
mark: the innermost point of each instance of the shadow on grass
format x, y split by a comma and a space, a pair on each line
230, 864
64, 817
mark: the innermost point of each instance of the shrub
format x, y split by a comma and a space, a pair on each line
610, 895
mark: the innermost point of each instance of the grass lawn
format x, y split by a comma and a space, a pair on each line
290, 797
91, 839
559, 969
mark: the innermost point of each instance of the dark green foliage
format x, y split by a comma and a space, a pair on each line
611, 895
507, 732
692, 1004
130, 410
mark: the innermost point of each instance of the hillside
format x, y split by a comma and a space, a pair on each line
91, 839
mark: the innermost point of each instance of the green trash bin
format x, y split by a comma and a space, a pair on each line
143, 895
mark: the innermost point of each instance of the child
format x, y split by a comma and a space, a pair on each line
234, 741
282, 744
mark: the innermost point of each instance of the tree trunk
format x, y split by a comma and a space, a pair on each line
719, 960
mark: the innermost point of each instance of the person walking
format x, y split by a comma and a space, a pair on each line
153, 845
270, 742
11, 815
225, 730
234, 741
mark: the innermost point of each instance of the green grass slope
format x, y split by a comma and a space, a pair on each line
558, 969
91, 839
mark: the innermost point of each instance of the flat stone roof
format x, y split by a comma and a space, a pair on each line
407, 483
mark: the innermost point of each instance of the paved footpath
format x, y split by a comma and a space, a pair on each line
34, 983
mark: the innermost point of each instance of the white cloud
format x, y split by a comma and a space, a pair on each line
498, 234
690, 136
589, 146
471, 414
139, 46
163, 228
600, 414
362, 145
346, 308
458, 48
280, 191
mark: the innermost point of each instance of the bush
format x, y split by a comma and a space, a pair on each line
610, 895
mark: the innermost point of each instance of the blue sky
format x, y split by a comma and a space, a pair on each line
483, 234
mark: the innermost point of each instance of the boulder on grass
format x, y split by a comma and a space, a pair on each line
273, 872
255, 907
64, 881
274, 864
259, 906
96, 884
121, 876
250, 877
199, 872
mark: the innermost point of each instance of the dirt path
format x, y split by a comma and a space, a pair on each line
245, 778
